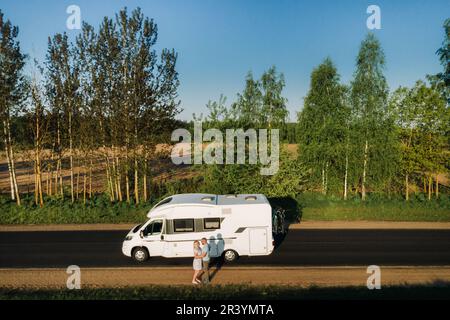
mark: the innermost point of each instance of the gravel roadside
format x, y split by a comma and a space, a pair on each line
304, 276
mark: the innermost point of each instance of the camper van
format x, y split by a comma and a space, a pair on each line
235, 225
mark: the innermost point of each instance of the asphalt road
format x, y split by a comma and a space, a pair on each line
299, 248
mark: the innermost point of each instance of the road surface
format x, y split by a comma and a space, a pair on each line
312, 247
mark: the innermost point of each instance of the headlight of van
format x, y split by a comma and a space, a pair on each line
127, 238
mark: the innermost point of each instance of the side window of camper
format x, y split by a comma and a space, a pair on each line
183, 225
157, 226
211, 223
153, 228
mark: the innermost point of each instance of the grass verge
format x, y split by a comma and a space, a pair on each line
329, 208
307, 206
235, 292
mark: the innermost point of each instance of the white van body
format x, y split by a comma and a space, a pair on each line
234, 225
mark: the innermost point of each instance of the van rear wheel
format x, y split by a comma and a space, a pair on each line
140, 254
230, 255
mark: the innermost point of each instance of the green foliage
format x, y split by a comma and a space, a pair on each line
273, 112
14, 85
423, 121
99, 210
260, 105
376, 207
249, 104
442, 80
289, 132
373, 133
233, 179
323, 128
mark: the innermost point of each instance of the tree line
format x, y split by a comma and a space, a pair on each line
353, 138
359, 137
108, 95
108, 98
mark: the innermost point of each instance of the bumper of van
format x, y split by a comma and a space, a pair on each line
126, 248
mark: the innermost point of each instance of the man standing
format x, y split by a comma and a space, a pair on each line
205, 259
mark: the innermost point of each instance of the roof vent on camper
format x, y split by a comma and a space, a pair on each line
209, 199
251, 198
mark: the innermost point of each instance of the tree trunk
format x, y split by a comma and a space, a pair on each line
47, 182
13, 168
437, 186
71, 157
407, 187
127, 186
56, 178
16, 187
136, 180
50, 191
424, 185
363, 183
323, 179
90, 179
77, 190
346, 176
36, 188
38, 181
109, 180
127, 179
84, 187
38, 172
430, 187
59, 164
119, 181
144, 180
41, 199
11, 181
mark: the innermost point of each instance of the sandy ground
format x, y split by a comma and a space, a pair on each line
304, 276
302, 225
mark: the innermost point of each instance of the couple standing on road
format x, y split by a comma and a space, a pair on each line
201, 262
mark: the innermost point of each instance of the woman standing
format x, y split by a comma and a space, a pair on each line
197, 264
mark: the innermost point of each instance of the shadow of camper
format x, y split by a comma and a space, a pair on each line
292, 214
216, 247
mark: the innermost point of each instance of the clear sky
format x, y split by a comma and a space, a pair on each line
219, 41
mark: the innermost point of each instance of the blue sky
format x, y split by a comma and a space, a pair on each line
219, 41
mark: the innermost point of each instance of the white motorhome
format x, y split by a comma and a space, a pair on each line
235, 225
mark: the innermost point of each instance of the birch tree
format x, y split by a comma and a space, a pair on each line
323, 128
40, 127
13, 92
62, 90
369, 102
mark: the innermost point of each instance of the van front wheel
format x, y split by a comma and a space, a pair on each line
140, 254
230, 256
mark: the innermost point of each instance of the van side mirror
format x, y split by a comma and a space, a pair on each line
141, 234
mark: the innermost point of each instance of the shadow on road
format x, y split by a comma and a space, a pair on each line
292, 213
218, 263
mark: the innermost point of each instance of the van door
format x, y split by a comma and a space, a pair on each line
257, 240
153, 237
